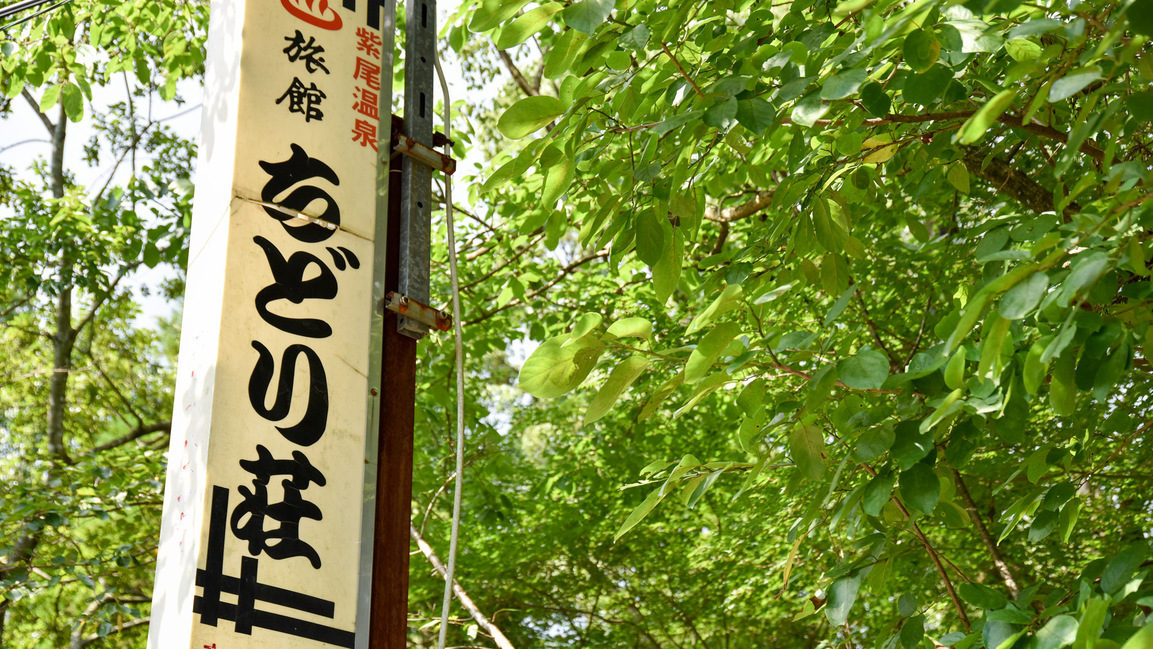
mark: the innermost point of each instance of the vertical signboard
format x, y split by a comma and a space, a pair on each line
260, 543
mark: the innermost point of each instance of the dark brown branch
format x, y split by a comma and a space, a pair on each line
986, 538
932, 555
682, 71
1088, 148
871, 325
134, 434
522, 83
1013, 183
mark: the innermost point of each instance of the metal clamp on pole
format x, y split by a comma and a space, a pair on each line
418, 311
424, 154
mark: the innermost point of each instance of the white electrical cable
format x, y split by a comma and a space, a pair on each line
448, 577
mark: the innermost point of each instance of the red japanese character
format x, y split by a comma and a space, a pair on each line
368, 72
367, 103
368, 42
365, 133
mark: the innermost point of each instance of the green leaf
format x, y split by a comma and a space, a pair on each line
618, 381
991, 347
1121, 566
808, 110
494, 12
875, 100
667, 271
913, 632
873, 442
525, 25
555, 368
1071, 84
920, 488
728, 300
1140, 15
49, 98
755, 114
877, 493
921, 49
73, 102
635, 39
709, 349
1095, 610
722, 114
955, 370
639, 513
676, 121
926, 87
1058, 632
634, 327
1020, 300
585, 324
982, 596
807, 445
1023, 49
843, 84
1086, 268
557, 180
1143, 639
974, 128
1000, 635
865, 371
151, 254
529, 115
587, 15
564, 51
650, 237
958, 176
842, 594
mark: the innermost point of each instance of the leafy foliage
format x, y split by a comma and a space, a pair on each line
85, 391
892, 261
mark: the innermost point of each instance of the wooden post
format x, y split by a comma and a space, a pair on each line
389, 621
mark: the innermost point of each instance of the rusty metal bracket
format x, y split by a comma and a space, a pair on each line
418, 311
424, 154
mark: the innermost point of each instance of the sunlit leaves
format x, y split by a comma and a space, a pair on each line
529, 115
865, 371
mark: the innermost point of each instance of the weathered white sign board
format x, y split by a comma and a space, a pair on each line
261, 541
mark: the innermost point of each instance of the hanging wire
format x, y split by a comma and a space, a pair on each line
459, 338
17, 8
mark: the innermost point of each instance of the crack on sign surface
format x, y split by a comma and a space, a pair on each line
297, 214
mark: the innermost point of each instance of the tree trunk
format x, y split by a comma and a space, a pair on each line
62, 344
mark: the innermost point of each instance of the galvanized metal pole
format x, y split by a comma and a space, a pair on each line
415, 189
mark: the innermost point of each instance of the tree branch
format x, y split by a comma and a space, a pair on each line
986, 538
130, 624
684, 74
744, 210
522, 83
36, 109
567, 270
1013, 183
466, 601
102, 298
134, 434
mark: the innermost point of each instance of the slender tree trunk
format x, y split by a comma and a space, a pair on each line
64, 335
63, 338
